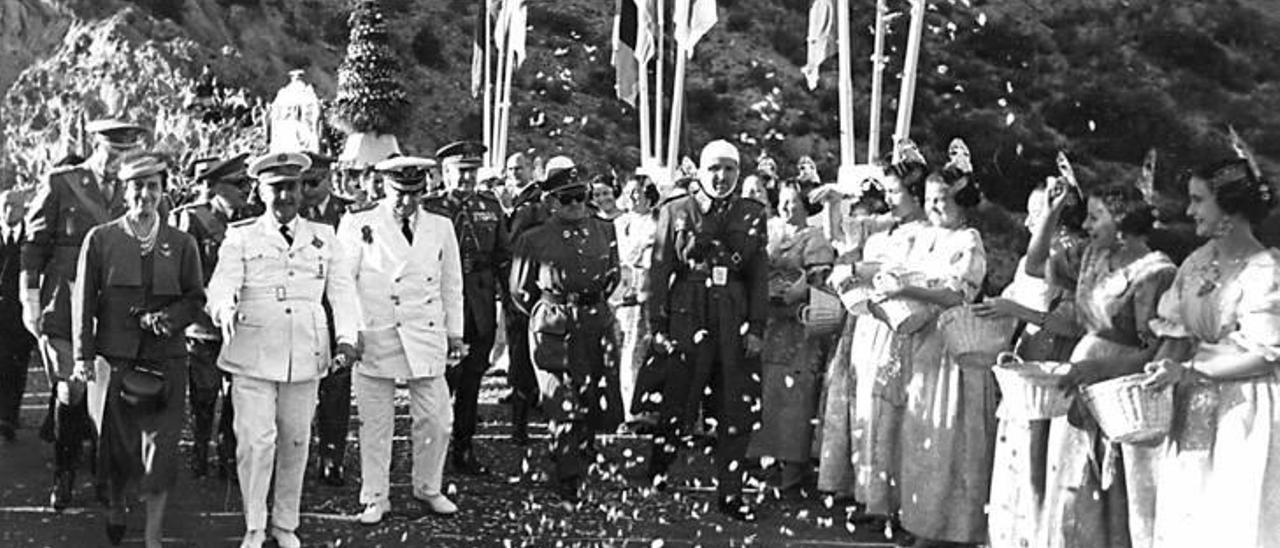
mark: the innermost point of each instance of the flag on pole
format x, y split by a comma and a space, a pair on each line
513, 23
692, 22
822, 39
484, 20
646, 30
625, 27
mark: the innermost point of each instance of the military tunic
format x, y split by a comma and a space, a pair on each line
527, 213
709, 284
483, 245
562, 276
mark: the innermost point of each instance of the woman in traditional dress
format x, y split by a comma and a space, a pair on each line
948, 428
139, 286
635, 229
1096, 490
1042, 298
859, 453
800, 258
1219, 479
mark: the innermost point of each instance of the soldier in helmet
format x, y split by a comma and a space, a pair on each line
708, 307
70, 201
224, 186
481, 228
563, 273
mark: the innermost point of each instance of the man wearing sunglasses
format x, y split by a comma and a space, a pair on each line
223, 187
707, 308
483, 245
69, 202
333, 412
562, 275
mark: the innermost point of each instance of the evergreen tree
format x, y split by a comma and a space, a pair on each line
371, 98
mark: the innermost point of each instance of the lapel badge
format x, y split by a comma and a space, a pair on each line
366, 234
165, 250
317, 242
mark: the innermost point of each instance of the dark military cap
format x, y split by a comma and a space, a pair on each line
117, 132
319, 162
228, 170
198, 166
464, 154
405, 173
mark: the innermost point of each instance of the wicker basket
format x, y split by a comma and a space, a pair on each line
823, 315
856, 299
1128, 412
973, 341
1030, 389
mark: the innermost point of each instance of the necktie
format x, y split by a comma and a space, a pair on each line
406, 228
288, 234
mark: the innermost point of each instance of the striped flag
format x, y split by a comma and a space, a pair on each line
512, 28
625, 29
822, 39
692, 22
484, 21
646, 30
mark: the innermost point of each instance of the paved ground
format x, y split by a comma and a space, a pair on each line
512, 507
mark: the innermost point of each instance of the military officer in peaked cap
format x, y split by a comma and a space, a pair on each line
333, 413
265, 295
483, 246
68, 202
708, 307
409, 276
562, 275
223, 186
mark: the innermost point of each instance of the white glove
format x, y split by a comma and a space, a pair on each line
31, 311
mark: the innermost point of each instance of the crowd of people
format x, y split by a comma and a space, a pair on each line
817, 334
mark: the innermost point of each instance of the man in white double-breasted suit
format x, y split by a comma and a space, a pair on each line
265, 295
409, 277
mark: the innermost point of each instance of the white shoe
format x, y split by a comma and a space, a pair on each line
373, 512
438, 504
285, 539
253, 538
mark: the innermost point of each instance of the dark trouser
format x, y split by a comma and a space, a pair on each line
464, 382
69, 409
520, 375
204, 387
15, 358
333, 415
711, 370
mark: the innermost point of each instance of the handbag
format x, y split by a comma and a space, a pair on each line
143, 387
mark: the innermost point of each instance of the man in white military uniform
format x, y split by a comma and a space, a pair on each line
408, 274
265, 295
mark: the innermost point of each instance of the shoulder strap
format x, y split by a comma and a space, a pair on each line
99, 215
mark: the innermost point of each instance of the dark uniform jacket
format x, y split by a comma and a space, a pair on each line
115, 288
484, 247
526, 211
67, 204
11, 327
209, 227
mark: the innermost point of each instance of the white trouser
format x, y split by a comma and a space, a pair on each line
432, 414
273, 428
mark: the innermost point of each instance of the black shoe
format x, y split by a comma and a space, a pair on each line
737, 507
63, 485
464, 461
569, 491
115, 531
200, 459
331, 472
7, 431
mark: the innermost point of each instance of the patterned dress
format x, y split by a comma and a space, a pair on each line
792, 363
1219, 480
1097, 492
949, 426
635, 247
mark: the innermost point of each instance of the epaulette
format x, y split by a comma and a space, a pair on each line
243, 222
354, 208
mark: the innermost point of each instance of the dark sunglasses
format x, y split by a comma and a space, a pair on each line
572, 196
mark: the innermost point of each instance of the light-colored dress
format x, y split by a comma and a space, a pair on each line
792, 363
949, 427
1219, 479
863, 419
1020, 461
1098, 493
636, 233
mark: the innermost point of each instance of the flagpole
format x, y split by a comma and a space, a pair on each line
877, 83
642, 81
660, 92
505, 111
847, 156
677, 110
907, 97
488, 84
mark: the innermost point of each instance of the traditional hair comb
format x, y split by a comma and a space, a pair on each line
1243, 151
1068, 172
959, 157
1147, 181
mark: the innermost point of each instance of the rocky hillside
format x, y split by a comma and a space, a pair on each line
1103, 79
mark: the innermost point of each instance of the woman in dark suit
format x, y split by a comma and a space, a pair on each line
139, 286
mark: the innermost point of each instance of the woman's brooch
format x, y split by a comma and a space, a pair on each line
366, 234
